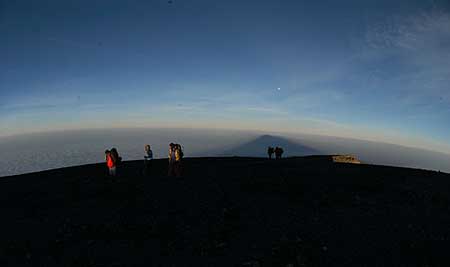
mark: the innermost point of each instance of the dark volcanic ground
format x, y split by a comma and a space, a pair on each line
227, 212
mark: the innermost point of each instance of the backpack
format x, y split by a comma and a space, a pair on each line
117, 159
181, 153
178, 153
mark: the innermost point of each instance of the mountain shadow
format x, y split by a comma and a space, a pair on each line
258, 147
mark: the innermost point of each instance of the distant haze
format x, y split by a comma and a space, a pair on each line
36, 152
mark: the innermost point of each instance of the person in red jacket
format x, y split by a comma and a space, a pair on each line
110, 162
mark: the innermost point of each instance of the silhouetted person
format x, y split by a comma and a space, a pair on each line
270, 152
110, 163
278, 152
148, 157
171, 171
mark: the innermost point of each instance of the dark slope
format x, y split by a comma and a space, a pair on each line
227, 212
258, 147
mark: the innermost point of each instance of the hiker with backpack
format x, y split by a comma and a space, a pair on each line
116, 158
278, 152
148, 157
178, 167
110, 163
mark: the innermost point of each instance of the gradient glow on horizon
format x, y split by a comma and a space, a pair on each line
376, 70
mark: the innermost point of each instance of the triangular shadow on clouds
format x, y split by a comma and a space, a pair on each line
258, 147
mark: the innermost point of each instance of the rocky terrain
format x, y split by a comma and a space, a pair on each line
306, 211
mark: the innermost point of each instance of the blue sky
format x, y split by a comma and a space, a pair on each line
377, 70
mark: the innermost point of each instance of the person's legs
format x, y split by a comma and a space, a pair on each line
147, 168
178, 170
113, 171
170, 172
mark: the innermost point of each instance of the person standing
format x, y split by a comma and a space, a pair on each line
110, 163
116, 158
171, 159
178, 167
148, 157
278, 152
270, 152
115, 155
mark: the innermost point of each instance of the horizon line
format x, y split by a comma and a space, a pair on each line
285, 134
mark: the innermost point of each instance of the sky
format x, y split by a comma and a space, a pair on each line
374, 70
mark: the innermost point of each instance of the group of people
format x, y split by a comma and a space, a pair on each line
112, 160
278, 151
175, 159
175, 156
